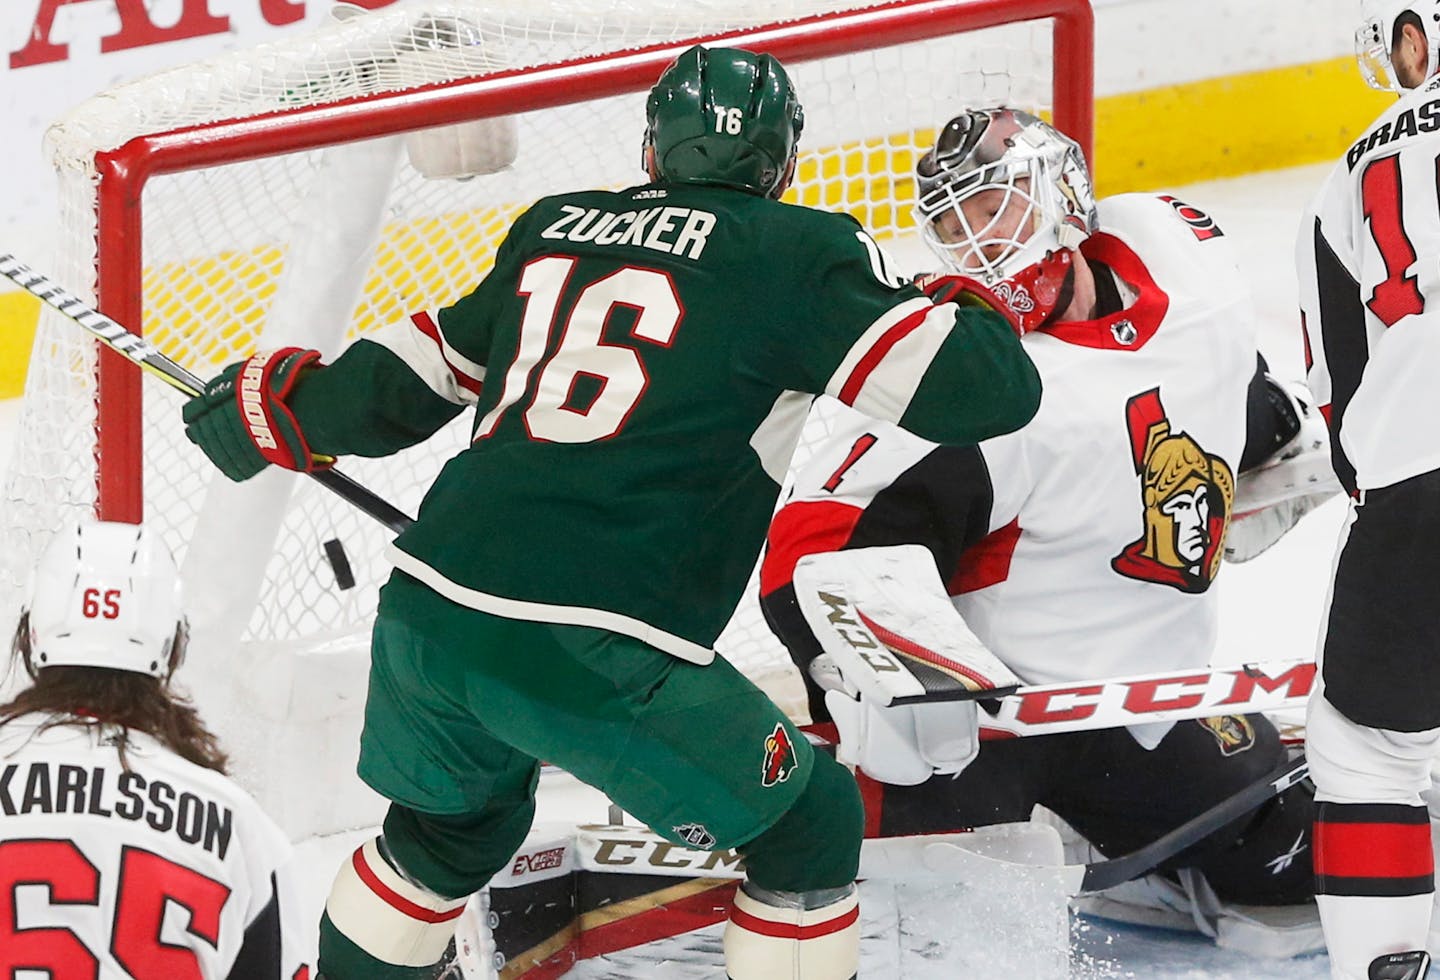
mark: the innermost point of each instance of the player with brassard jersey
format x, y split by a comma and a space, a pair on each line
124, 849
1366, 257
1083, 546
640, 363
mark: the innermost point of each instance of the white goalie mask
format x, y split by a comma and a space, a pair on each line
106, 595
1376, 32
1031, 164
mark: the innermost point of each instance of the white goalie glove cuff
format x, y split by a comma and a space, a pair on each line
904, 744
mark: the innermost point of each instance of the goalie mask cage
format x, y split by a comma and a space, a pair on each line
265, 198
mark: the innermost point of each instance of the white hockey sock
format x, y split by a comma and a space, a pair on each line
390, 918
799, 935
1358, 929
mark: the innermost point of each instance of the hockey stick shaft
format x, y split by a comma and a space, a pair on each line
1202, 692
1077, 879
148, 357
1101, 875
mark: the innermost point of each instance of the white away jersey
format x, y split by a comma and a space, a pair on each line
1085, 544
1370, 296
167, 871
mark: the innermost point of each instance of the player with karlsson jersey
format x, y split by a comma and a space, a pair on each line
640, 363
1083, 546
124, 849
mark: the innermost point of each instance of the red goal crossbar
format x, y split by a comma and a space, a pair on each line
124, 172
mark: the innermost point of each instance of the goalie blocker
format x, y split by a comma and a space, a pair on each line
900, 666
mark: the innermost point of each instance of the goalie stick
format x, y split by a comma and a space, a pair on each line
1044, 709
983, 853
149, 358
1079, 879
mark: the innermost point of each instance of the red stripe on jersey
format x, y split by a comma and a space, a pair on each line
987, 562
801, 529
789, 930
395, 900
1325, 411
872, 795
908, 646
1373, 850
850, 390
426, 324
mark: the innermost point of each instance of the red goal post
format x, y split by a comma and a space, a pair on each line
124, 172
251, 201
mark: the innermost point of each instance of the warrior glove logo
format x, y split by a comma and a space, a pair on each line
779, 758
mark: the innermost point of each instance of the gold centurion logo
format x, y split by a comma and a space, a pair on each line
1187, 496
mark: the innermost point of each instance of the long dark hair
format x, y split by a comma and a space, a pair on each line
116, 701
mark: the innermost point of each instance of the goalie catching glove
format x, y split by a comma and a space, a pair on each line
1271, 497
241, 420
900, 667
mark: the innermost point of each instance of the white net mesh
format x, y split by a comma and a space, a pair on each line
268, 251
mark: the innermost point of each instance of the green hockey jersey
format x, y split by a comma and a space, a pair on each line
640, 364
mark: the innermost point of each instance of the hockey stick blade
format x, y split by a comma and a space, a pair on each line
1083, 879
148, 357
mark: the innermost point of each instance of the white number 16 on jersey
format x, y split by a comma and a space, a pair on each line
616, 369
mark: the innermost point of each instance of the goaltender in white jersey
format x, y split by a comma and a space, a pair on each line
125, 852
1083, 547
1156, 487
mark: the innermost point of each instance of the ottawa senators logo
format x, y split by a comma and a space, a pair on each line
1234, 732
779, 757
1187, 495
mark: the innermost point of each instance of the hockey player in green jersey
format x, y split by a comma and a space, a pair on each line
640, 363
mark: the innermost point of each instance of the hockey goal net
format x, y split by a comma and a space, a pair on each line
266, 199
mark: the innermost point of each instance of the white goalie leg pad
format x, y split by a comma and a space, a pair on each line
394, 920
796, 935
885, 618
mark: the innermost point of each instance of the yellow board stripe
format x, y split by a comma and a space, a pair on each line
1226, 127
19, 313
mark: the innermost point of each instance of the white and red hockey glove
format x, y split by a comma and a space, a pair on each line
241, 420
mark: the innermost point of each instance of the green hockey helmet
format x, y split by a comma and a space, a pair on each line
725, 116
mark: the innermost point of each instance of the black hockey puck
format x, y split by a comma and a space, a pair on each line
340, 563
